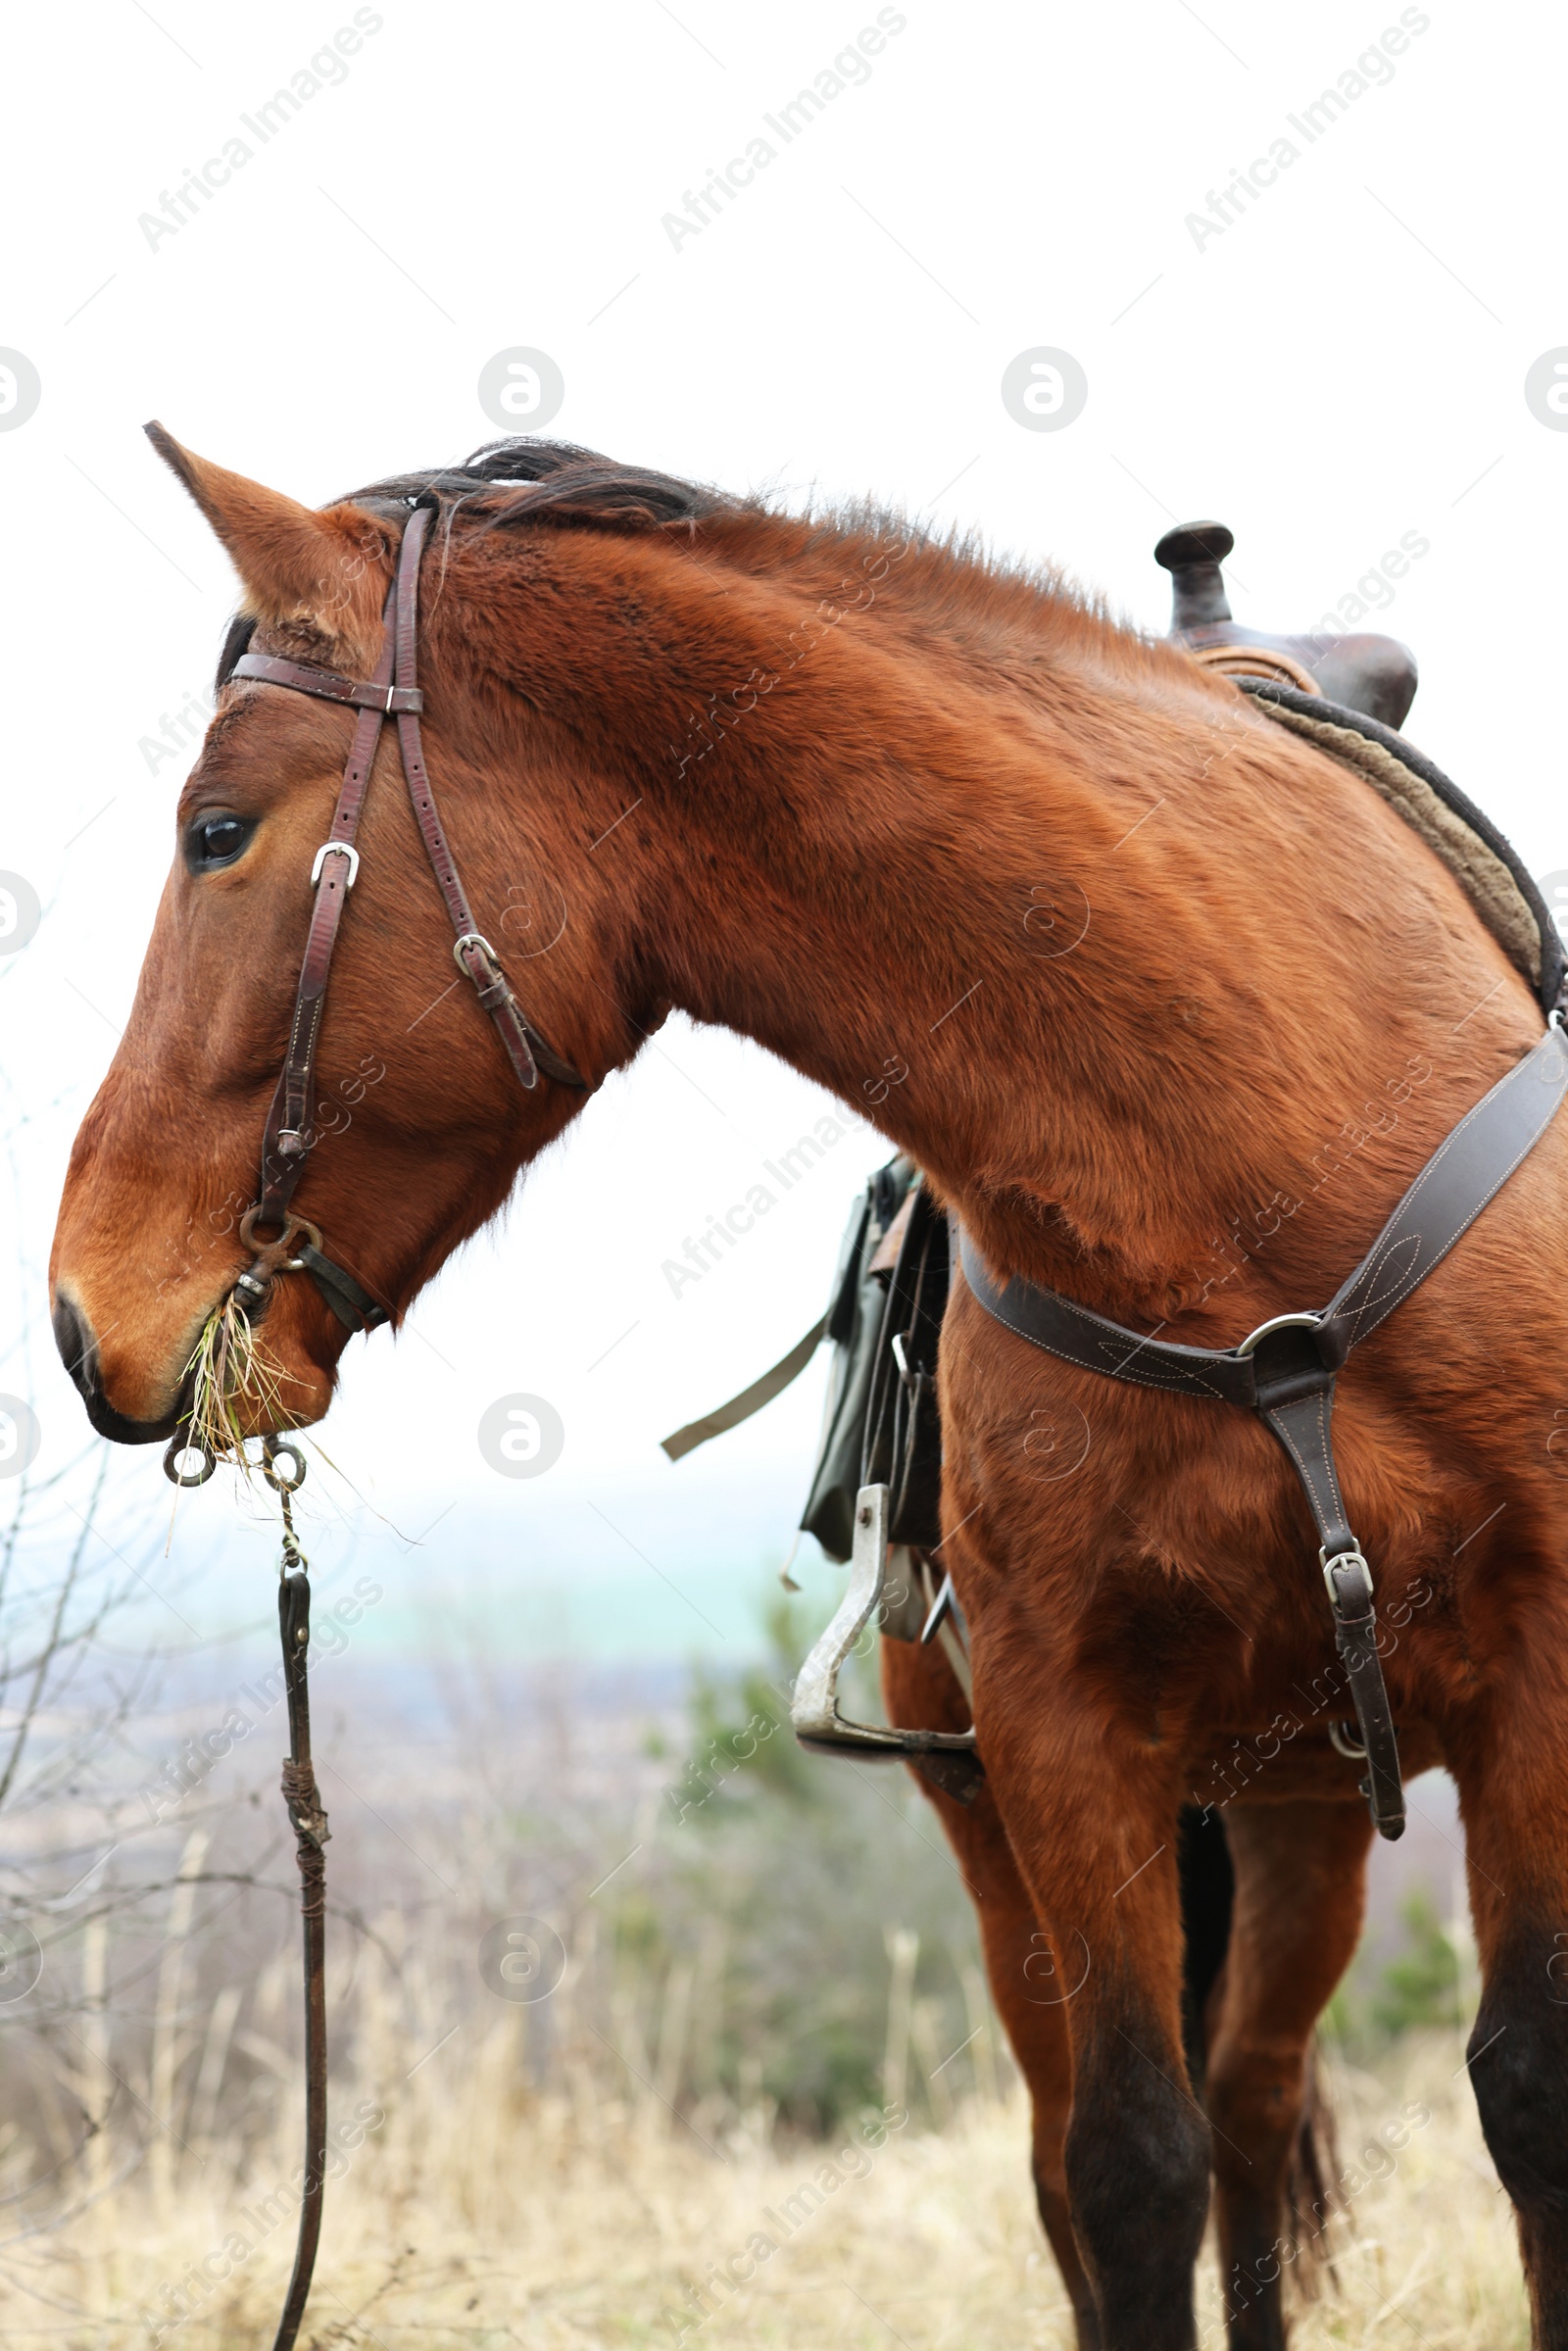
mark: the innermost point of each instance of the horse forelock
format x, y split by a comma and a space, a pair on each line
525, 480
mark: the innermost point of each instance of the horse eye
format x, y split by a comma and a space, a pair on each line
217, 841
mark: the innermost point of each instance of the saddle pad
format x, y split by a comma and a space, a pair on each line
1486, 866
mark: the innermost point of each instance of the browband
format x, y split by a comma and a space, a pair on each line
306, 678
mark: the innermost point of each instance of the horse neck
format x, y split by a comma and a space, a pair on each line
998, 910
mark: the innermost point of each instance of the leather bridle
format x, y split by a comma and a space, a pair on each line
295, 1246
393, 692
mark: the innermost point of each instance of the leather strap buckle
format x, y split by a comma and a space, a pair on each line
336, 849
475, 939
1343, 1602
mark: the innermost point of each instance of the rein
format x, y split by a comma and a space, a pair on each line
295, 1246
309, 1823
308, 1820
393, 692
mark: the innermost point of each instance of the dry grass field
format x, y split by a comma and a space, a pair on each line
759, 1953
473, 2215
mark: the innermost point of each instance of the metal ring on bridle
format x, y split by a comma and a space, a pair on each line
287, 1449
180, 1446
292, 1224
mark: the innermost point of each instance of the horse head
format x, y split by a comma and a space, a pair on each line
418, 1126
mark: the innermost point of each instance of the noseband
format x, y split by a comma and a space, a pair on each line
295, 1246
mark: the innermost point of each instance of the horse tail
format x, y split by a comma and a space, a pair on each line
1309, 2185
1208, 1884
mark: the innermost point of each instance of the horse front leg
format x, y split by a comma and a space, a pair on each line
1511, 1766
1091, 1813
921, 1692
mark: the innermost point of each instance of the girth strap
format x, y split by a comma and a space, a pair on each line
1285, 1371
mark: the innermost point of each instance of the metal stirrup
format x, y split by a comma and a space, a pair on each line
815, 1709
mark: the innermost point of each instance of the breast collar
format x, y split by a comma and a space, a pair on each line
1285, 1369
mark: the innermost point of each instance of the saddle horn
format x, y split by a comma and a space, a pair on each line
1375, 676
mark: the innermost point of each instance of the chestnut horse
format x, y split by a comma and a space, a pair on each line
1123, 966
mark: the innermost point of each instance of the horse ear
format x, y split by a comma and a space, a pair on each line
319, 572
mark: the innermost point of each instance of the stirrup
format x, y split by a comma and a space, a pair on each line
815, 1706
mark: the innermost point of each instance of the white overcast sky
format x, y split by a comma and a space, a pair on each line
1340, 367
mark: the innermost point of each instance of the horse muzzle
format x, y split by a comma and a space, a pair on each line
78, 1352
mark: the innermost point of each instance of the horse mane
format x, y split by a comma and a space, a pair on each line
964, 584
508, 483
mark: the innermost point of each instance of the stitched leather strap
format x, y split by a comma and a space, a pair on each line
308, 1820
1357, 1639
1465, 1172
1062, 1327
1304, 1428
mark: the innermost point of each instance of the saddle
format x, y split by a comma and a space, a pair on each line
1348, 695
1376, 675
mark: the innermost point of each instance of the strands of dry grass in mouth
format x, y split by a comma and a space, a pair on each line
231, 1367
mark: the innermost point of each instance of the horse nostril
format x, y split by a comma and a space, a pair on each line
73, 1339
77, 1343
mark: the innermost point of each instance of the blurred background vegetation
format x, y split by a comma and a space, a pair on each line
754, 1948
758, 1944
819, 1905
